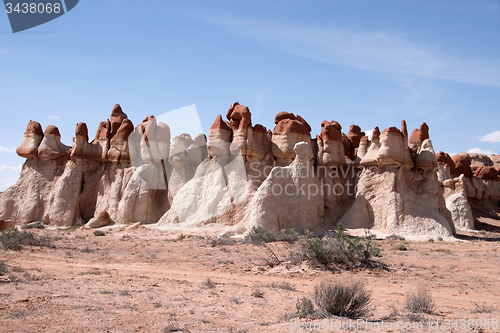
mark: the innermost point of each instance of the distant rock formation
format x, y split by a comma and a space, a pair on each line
246, 175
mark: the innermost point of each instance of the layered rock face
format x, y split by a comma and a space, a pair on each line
244, 175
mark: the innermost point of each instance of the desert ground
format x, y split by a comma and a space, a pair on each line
154, 280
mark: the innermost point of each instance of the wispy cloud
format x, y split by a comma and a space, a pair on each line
5, 183
10, 167
491, 137
480, 151
6, 150
369, 134
376, 51
54, 117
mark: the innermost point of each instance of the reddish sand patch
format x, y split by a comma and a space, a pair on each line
146, 281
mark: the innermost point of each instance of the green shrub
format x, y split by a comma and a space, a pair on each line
14, 240
339, 249
350, 300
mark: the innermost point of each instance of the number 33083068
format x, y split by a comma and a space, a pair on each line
33, 8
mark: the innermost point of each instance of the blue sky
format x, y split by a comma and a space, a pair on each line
371, 63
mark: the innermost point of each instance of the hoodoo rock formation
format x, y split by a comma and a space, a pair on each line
246, 175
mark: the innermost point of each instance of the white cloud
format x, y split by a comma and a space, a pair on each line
6, 150
54, 117
10, 167
5, 183
376, 51
480, 151
369, 134
491, 137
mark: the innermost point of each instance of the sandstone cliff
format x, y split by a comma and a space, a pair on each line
246, 175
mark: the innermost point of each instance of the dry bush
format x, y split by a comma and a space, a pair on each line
483, 308
99, 233
3, 268
214, 241
341, 299
282, 285
172, 328
260, 235
339, 249
395, 237
208, 283
420, 302
400, 247
35, 225
235, 300
304, 307
257, 292
14, 240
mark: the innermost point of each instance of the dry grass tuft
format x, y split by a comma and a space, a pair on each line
420, 302
341, 299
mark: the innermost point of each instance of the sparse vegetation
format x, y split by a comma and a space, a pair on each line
14, 240
350, 300
420, 302
260, 235
17, 269
339, 249
257, 292
235, 300
124, 293
395, 237
99, 233
172, 328
34, 225
208, 283
214, 241
87, 249
483, 308
400, 247
304, 307
282, 285
3, 268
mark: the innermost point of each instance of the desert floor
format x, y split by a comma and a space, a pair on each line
152, 280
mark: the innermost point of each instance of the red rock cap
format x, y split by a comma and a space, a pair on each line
52, 130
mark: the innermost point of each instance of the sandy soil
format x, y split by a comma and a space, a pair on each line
151, 280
